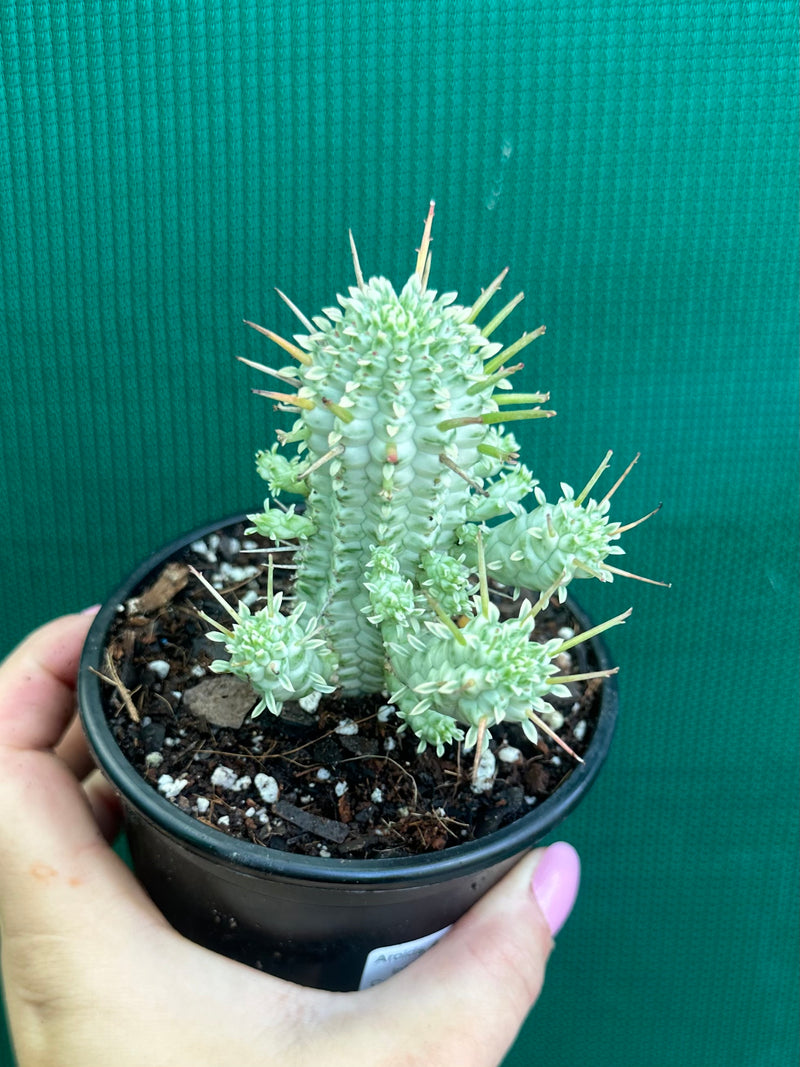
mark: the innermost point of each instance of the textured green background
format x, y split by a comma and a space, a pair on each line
164, 165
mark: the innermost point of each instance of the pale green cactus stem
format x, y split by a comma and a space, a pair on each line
280, 657
402, 404
553, 543
479, 673
396, 397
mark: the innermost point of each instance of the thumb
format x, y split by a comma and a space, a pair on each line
50, 842
483, 977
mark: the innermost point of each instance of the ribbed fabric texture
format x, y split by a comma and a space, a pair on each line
163, 166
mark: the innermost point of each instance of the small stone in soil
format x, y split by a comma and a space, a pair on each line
223, 701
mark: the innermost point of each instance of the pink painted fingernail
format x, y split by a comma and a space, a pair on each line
555, 883
93, 610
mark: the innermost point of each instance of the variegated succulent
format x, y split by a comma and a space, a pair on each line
414, 499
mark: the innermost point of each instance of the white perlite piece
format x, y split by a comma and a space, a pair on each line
267, 788
484, 779
224, 820
170, 786
323, 774
159, 667
509, 754
385, 712
376, 796
340, 789
310, 703
227, 779
224, 777
202, 805
553, 718
153, 759
229, 574
202, 549
346, 728
580, 730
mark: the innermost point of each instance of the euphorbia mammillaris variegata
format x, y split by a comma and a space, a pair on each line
404, 455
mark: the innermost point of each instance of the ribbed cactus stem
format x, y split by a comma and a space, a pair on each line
399, 366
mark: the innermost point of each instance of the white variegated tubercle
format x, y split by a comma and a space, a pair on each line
405, 458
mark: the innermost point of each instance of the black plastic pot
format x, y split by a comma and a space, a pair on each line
311, 920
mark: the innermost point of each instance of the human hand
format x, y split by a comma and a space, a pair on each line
93, 973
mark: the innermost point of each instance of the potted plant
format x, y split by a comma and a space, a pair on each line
331, 724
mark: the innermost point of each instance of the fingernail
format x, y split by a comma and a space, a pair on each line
93, 610
555, 883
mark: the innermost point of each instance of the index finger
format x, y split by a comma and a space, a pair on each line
37, 684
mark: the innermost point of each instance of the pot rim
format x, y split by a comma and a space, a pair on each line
457, 860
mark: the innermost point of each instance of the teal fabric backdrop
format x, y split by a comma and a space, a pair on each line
164, 165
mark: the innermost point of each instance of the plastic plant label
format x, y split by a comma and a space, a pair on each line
382, 963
